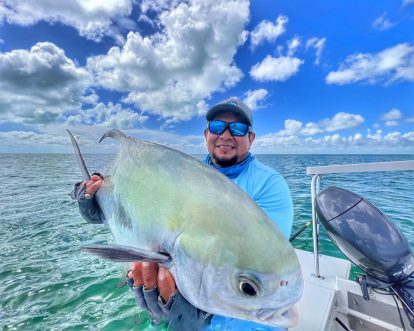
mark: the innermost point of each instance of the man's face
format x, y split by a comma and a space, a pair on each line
225, 149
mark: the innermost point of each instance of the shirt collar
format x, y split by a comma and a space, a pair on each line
232, 171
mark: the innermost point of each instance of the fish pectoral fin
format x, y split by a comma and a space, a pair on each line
126, 253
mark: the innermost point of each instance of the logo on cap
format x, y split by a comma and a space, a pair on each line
233, 103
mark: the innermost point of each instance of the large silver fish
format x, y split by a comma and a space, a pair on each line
225, 254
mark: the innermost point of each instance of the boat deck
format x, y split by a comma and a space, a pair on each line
333, 296
317, 303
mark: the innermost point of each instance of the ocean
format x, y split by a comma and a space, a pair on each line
46, 283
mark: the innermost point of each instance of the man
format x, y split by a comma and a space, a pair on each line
229, 136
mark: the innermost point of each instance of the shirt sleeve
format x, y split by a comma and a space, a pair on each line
222, 323
88, 206
275, 200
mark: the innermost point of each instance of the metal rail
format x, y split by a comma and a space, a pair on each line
316, 173
362, 167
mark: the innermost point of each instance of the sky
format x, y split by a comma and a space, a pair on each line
321, 76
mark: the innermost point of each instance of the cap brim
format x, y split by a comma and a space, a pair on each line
227, 108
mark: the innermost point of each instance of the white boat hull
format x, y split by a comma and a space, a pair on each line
334, 297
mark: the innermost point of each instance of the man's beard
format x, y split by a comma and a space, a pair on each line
226, 162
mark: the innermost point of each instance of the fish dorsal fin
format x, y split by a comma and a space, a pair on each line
119, 253
113, 133
79, 158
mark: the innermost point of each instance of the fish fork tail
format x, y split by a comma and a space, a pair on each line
113, 133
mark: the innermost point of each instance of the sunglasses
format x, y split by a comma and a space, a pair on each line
236, 128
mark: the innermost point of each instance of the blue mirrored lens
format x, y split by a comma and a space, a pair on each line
236, 128
217, 127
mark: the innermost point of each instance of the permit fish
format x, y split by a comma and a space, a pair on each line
225, 254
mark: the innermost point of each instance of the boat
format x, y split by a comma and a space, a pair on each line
332, 301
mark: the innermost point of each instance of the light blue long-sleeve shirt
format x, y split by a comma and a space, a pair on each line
271, 192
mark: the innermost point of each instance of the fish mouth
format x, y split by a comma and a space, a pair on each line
286, 318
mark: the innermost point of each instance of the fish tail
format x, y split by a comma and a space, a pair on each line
79, 158
113, 133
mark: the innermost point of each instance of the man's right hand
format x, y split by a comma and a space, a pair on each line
92, 185
84, 193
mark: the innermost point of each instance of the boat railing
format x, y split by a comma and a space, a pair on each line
317, 172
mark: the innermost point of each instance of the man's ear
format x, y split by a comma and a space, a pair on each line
252, 136
205, 133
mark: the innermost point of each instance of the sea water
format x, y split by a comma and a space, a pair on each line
46, 283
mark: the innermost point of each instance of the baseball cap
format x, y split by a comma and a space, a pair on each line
231, 105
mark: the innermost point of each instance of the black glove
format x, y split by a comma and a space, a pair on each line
178, 312
148, 300
183, 316
88, 206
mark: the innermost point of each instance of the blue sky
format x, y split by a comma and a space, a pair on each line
326, 77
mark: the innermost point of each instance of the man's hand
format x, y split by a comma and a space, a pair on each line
92, 185
151, 275
175, 309
83, 192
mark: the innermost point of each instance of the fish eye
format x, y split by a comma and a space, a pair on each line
248, 287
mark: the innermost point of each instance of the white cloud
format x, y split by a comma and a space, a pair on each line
296, 128
88, 137
150, 10
202, 108
271, 142
397, 138
311, 129
357, 143
158, 6
292, 127
268, 31
146, 19
319, 45
293, 45
342, 121
390, 65
392, 117
393, 114
253, 98
381, 23
170, 72
409, 137
407, 2
31, 138
410, 120
43, 86
392, 123
377, 136
109, 116
55, 137
93, 19
40, 84
276, 69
